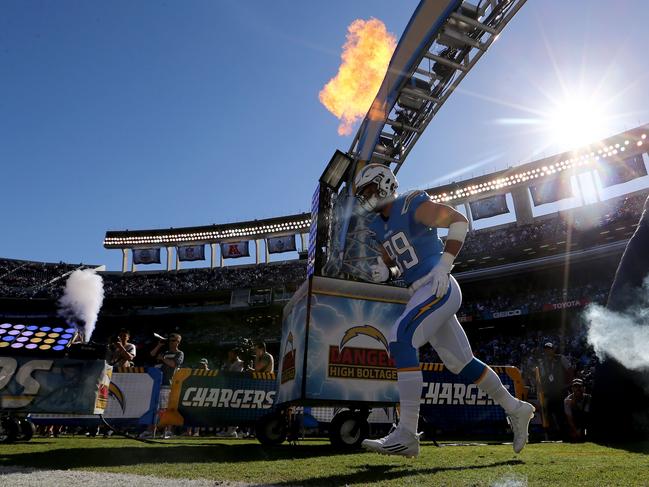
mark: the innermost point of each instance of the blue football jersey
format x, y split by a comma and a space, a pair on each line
414, 247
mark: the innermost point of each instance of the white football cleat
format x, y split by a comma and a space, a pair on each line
398, 442
519, 420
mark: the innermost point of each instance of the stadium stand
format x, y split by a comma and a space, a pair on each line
614, 220
586, 226
28, 279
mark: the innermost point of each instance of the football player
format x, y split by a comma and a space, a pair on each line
406, 227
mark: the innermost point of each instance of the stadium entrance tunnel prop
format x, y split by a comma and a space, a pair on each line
334, 352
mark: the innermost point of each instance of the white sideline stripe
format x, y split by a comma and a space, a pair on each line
32, 477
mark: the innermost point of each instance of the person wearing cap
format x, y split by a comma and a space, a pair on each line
556, 373
577, 410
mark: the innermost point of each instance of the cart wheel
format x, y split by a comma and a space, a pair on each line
9, 429
348, 429
271, 429
27, 429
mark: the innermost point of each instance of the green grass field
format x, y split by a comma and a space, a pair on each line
315, 462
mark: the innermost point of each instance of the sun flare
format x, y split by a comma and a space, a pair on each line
577, 121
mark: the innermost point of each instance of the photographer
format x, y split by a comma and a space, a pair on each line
122, 351
264, 361
169, 360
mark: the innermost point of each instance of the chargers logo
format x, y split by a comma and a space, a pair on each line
118, 395
366, 330
349, 362
288, 361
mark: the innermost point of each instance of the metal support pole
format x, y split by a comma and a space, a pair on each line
592, 178
469, 217
177, 261
213, 255
169, 251
133, 267
257, 252
124, 260
303, 242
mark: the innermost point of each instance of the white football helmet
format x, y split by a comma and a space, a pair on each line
385, 182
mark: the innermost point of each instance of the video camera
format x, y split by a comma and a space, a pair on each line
160, 338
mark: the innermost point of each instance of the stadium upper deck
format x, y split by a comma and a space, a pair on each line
527, 240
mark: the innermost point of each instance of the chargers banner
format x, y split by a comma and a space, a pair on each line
277, 245
146, 256
191, 252
53, 385
206, 397
132, 399
234, 250
449, 403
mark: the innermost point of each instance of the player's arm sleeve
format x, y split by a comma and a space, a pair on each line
443, 216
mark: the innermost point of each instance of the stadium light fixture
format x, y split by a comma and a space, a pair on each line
336, 171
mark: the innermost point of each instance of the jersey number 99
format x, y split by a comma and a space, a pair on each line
400, 251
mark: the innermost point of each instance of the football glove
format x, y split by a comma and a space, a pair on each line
441, 275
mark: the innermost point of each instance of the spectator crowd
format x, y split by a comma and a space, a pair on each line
25, 279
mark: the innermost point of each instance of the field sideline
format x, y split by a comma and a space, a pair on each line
315, 462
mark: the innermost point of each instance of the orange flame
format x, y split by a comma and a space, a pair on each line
365, 58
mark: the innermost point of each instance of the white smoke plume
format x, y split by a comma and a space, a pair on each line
82, 299
623, 336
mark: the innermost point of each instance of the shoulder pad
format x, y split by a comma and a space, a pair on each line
409, 197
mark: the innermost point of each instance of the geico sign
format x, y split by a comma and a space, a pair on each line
443, 393
23, 376
506, 314
228, 398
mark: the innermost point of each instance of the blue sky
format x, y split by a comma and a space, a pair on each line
149, 114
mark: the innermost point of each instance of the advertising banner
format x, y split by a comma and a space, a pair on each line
488, 207
234, 250
146, 256
54, 385
132, 399
207, 397
574, 303
618, 172
450, 403
550, 190
191, 252
494, 315
349, 325
277, 245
